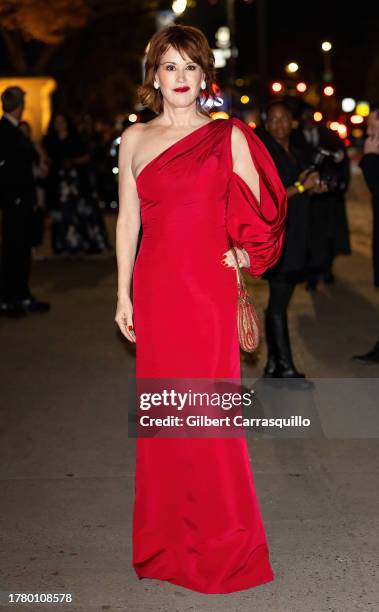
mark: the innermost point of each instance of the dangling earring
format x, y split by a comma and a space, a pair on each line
156, 85
203, 84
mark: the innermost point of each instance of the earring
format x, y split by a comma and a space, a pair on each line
156, 85
203, 84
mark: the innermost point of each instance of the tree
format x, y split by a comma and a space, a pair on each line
32, 30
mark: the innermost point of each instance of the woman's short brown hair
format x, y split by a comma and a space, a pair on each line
185, 39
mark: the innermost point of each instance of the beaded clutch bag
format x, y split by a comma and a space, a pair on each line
248, 323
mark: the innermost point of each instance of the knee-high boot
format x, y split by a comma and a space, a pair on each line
285, 367
270, 368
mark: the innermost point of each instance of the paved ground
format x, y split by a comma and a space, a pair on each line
67, 464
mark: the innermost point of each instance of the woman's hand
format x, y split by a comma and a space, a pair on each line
124, 318
242, 258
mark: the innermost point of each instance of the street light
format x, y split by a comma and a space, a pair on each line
328, 90
326, 46
301, 87
348, 105
276, 87
292, 67
179, 6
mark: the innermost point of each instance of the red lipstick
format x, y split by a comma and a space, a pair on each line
181, 89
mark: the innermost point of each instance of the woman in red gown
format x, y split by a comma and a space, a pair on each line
196, 184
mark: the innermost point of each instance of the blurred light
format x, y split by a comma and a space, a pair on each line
328, 90
252, 124
334, 125
240, 82
245, 99
113, 204
118, 140
301, 87
115, 170
223, 37
292, 67
363, 109
356, 119
342, 131
357, 133
220, 115
326, 46
347, 142
317, 116
348, 105
179, 6
132, 118
276, 87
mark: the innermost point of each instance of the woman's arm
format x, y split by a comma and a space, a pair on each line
127, 231
243, 166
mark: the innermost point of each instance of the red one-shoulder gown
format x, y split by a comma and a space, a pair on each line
196, 519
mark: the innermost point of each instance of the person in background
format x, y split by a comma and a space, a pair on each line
40, 171
18, 199
292, 164
370, 168
328, 226
77, 223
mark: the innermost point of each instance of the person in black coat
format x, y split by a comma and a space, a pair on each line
292, 164
18, 195
370, 168
328, 226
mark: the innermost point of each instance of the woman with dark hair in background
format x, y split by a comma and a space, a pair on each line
77, 224
292, 166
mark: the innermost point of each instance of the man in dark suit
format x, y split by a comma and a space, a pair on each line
370, 167
17, 199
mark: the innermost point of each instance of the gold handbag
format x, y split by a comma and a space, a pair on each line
248, 324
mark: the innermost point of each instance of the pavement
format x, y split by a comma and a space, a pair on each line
67, 464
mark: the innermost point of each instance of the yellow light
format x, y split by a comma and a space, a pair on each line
334, 125
132, 118
301, 87
326, 46
37, 100
245, 99
317, 116
356, 119
252, 124
276, 87
179, 6
357, 133
342, 131
220, 115
363, 109
292, 67
328, 90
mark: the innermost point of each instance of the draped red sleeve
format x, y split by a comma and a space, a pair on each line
257, 227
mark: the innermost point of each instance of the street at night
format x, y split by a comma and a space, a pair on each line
189, 230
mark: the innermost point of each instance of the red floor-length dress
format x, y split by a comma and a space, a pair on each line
196, 520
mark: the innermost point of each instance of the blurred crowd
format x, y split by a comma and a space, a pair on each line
61, 185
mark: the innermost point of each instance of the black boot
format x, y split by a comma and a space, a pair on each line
285, 367
270, 368
371, 357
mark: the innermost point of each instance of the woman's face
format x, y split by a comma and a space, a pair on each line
279, 122
179, 78
60, 123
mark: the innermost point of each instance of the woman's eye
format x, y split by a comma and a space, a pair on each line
170, 67
191, 67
